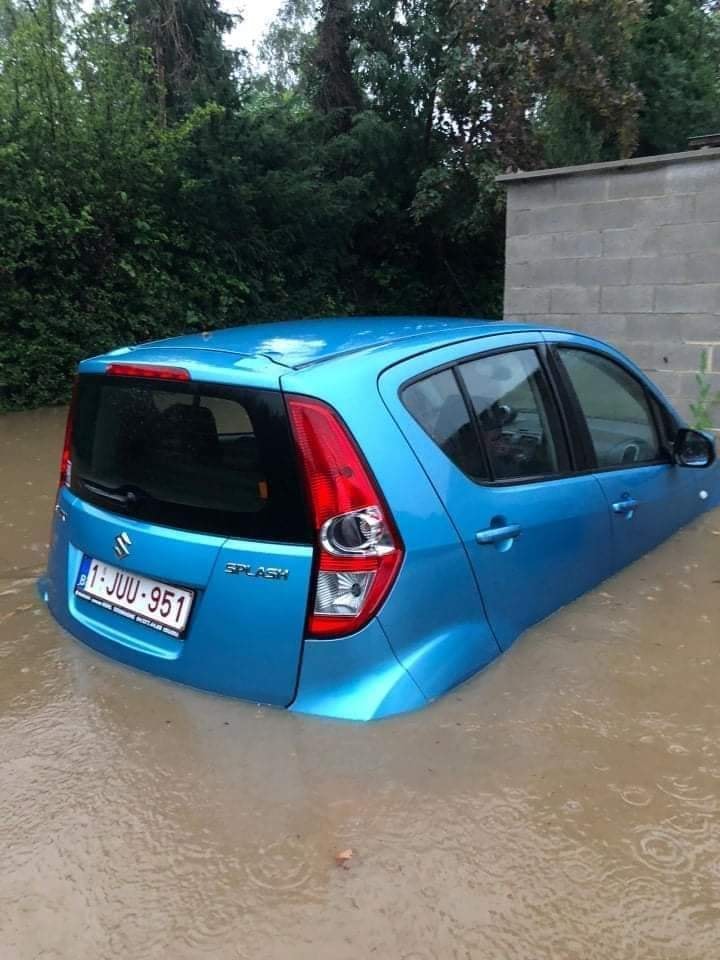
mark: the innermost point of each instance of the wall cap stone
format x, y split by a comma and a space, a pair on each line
634, 163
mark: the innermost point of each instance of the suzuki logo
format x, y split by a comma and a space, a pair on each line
122, 545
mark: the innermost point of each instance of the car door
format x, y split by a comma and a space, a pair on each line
484, 421
625, 426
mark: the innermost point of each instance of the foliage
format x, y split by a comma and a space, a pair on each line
190, 63
153, 182
592, 76
677, 67
285, 50
707, 399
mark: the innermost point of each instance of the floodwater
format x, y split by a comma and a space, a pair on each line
563, 805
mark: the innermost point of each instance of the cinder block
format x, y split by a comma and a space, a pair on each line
679, 357
688, 298
669, 382
557, 219
550, 273
682, 406
689, 385
707, 203
540, 318
527, 300
577, 323
518, 223
528, 194
641, 353
594, 324
703, 267
528, 248
610, 215
652, 327
674, 357
687, 357
691, 177
627, 299
637, 241
529, 320
652, 182
581, 189
585, 244
689, 238
604, 271
659, 269
700, 328
658, 211
517, 274
573, 300
605, 326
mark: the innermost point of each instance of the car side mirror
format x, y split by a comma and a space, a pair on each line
693, 449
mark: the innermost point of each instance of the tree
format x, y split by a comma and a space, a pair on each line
335, 88
591, 105
285, 51
191, 64
677, 67
495, 79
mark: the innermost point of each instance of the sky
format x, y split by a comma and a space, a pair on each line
257, 15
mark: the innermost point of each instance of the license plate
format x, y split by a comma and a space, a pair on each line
152, 603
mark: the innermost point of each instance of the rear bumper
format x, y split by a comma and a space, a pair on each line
356, 678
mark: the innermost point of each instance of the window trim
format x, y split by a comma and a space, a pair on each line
585, 447
482, 447
558, 421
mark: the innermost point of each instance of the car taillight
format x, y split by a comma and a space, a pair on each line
65, 459
359, 548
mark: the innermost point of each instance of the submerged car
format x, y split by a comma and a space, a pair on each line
348, 517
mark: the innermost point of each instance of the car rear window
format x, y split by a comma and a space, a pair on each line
200, 457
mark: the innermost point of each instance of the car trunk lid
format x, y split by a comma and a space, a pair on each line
199, 481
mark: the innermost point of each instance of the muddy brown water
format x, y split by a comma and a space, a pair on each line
562, 805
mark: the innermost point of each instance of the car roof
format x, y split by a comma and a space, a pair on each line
297, 344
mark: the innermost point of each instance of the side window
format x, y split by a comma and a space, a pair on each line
516, 414
616, 409
438, 406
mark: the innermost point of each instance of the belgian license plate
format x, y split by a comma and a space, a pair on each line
152, 603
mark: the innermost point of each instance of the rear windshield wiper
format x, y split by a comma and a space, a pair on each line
127, 496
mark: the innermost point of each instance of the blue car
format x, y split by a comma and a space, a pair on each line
349, 517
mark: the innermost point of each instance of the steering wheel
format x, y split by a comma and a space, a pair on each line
504, 413
626, 452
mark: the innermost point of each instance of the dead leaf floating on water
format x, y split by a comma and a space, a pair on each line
343, 858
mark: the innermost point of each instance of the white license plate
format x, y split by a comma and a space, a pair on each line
153, 603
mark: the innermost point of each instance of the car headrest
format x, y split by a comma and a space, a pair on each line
190, 430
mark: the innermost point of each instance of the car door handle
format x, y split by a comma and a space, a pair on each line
496, 534
628, 505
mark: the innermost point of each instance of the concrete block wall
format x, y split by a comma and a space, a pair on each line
627, 251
